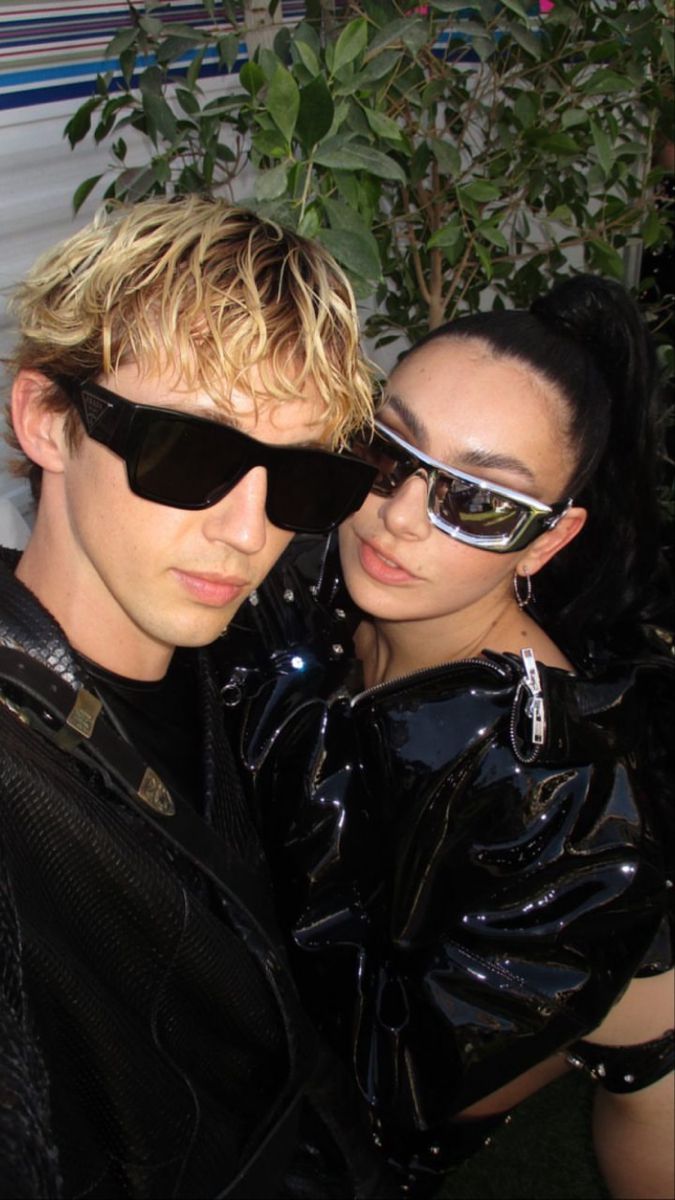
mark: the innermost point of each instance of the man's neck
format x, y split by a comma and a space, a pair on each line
44, 571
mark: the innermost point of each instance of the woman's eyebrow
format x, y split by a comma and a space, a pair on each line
412, 423
477, 457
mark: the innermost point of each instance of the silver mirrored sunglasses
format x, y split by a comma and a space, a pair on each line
467, 508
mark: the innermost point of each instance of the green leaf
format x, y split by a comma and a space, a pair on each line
350, 43
516, 7
151, 81
602, 82
492, 234
310, 222
383, 125
194, 70
447, 156
574, 116
445, 238
270, 143
485, 259
356, 251
159, 117
128, 64
348, 156
228, 49
563, 213
137, 182
188, 101
307, 57
119, 149
525, 110
343, 216
606, 258
557, 143
271, 184
124, 40
479, 190
80, 123
83, 190
377, 68
411, 32
283, 101
528, 41
603, 147
652, 230
315, 114
252, 77
174, 47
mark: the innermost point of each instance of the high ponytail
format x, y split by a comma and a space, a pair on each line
587, 338
610, 578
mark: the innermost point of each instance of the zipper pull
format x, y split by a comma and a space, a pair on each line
535, 705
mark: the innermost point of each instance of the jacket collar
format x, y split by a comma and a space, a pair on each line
26, 625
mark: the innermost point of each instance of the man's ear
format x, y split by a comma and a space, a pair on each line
548, 544
38, 427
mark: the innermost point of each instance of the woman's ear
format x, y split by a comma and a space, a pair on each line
548, 544
39, 428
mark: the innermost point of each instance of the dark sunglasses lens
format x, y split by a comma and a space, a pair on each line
311, 491
392, 464
182, 461
473, 509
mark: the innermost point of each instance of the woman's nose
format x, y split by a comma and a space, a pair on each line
405, 511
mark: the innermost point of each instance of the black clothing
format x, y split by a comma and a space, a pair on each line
161, 718
464, 900
154, 1008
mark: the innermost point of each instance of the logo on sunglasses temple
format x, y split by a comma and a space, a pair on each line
94, 408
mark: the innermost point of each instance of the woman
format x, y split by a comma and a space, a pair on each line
467, 802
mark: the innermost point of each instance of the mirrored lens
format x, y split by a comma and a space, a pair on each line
473, 509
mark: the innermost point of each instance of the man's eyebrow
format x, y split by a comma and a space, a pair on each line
412, 422
493, 461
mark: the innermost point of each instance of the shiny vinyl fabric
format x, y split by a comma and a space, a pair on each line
460, 913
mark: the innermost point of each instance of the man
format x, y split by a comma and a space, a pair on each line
182, 370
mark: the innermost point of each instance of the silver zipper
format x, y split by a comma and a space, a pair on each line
535, 705
426, 671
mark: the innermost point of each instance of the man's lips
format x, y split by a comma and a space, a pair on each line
380, 566
210, 587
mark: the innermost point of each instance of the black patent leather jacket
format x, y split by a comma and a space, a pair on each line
464, 902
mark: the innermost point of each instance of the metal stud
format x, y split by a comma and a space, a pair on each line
629, 1078
289, 595
337, 649
254, 599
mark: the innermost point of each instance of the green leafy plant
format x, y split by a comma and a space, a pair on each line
437, 152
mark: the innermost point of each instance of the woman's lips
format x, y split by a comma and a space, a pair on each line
380, 567
211, 588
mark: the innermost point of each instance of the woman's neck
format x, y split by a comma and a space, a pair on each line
392, 649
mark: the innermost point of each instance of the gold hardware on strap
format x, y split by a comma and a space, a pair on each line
154, 793
84, 713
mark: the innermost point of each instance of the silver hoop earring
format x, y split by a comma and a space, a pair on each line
523, 599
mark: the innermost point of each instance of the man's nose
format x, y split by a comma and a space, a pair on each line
239, 519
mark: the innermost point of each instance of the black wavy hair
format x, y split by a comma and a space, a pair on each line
588, 339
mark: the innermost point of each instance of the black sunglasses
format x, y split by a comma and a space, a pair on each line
469, 509
190, 462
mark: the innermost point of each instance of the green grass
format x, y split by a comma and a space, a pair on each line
546, 1151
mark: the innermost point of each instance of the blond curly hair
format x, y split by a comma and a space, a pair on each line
207, 292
